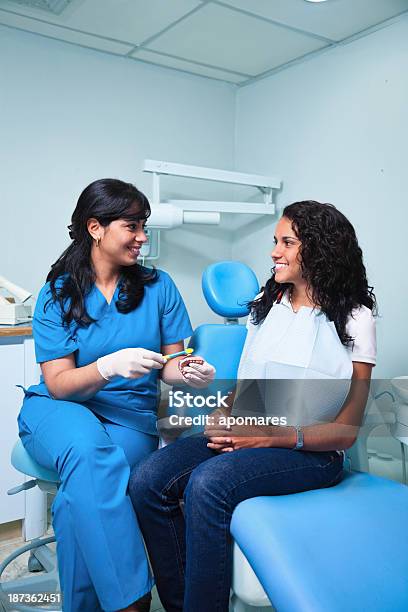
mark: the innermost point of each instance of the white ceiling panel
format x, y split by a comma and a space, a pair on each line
53, 31
53, 6
335, 19
228, 39
231, 40
172, 62
131, 21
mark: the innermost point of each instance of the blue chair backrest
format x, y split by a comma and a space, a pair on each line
220, 345
227, 286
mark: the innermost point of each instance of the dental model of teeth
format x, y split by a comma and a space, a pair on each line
184, 363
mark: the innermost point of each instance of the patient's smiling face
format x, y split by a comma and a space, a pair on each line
286, 254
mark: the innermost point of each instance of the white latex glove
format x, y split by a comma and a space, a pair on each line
196, 375
129, 363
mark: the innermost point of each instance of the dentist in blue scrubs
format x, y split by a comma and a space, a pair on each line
101, 326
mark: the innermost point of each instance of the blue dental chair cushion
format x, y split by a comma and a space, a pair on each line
331, 550
228, 286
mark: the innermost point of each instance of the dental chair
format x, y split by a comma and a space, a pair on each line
42, 557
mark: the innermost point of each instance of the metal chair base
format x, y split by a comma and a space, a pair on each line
43, 559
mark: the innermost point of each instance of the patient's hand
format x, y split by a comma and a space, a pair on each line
217, 426
226, 439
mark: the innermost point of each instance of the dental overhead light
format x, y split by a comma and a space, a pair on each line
174, 213
171, 214
315, 0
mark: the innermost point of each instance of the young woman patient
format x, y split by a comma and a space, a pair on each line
312, 322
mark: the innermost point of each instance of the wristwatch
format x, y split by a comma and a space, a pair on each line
299, 438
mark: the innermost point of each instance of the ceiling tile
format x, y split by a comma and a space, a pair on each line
132, 21
335, 19
227, 39
171, 62
46, 29
53, 6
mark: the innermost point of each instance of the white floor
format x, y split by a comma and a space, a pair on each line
18, 568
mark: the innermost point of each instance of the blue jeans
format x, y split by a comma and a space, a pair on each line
191, 551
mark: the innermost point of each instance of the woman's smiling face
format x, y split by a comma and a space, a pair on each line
121, 240
286, 254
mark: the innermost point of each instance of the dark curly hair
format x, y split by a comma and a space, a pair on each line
331, 263
105, 200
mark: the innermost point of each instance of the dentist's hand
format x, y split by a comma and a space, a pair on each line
196, 372
129, 363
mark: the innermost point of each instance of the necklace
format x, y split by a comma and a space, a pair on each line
291, 303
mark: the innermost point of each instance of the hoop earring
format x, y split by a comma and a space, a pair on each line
97, 240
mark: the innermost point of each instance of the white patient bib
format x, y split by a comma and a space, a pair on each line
296, 349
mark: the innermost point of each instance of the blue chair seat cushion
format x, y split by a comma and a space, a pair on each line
330, 550
21, 460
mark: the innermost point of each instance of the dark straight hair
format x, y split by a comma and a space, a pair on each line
105, 200
331, 262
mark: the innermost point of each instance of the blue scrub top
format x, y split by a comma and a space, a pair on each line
161, 318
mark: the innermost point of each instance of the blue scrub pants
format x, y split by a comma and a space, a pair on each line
101, 555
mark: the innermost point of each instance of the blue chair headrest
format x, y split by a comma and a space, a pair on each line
228, 286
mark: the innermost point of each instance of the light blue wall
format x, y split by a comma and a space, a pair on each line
335, 128
69, 116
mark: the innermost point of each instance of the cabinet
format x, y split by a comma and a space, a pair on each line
17, 367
